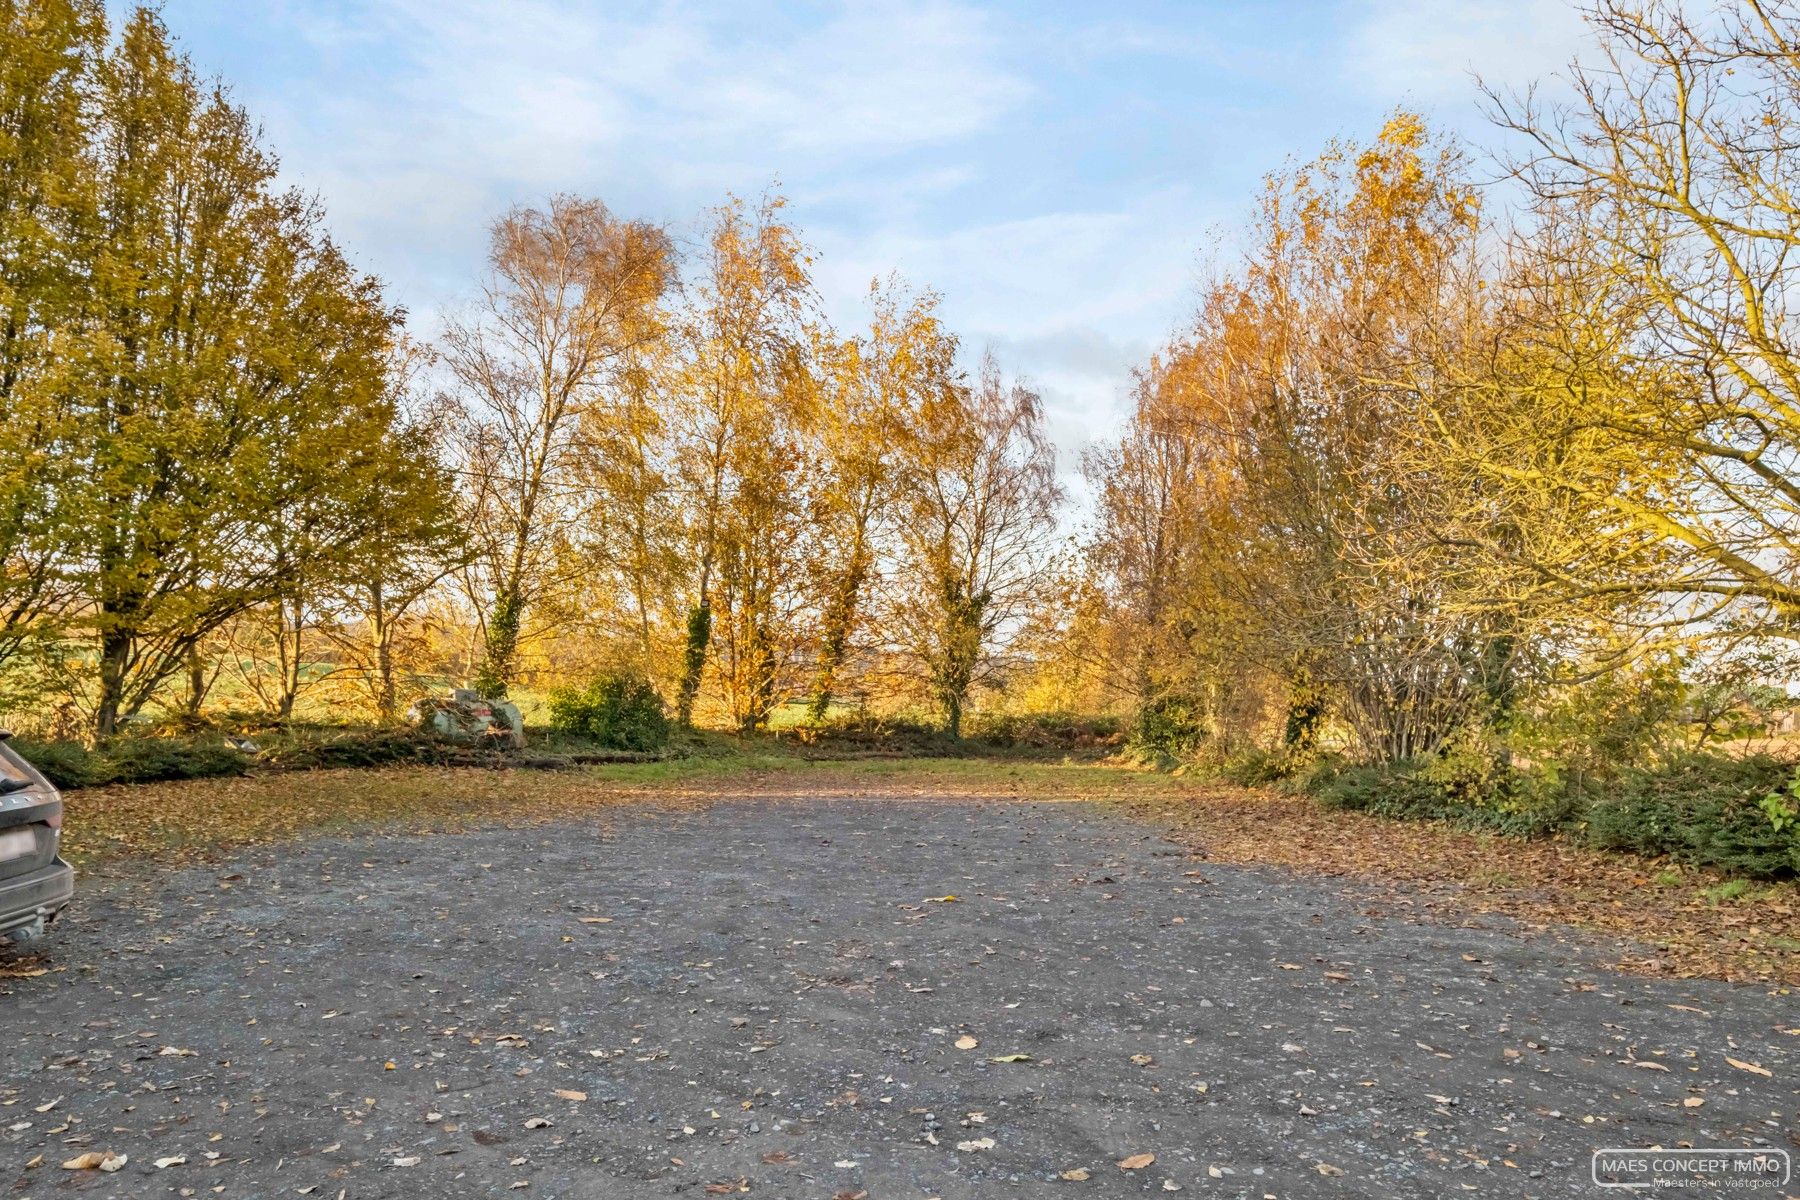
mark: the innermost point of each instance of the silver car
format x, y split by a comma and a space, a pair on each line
35, 883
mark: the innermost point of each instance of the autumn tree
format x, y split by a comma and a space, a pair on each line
1655, 283
1266, 511
738, 454
572, 290
49, 50
1139, 555
872, 389
978, 499
632, 515
226, 372
412, 544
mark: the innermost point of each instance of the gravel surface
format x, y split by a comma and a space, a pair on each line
778, 998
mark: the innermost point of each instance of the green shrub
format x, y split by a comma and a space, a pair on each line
1703, 810
306, 749
617, 709
1620, 717
1399, 789
70, 765
870, 733
1042, 731
1256, 767
1456, 788
1170, 726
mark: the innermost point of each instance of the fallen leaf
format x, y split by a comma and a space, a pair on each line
1136, 1162
596, 920
409, 1161
97, 1160
1693, 1102
1326, 1168
1010, 1058
568, 1094
1075, 1175
977, 1144
965, 1042
1753, 1068
174, 1160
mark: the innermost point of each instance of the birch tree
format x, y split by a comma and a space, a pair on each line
571, 291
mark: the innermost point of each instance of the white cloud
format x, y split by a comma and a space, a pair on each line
1072, 300
478, 104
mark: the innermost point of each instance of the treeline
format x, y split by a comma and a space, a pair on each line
224, 467
1508, 495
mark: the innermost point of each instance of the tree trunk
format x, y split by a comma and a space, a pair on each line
196, 690
386, 697
499, 662
840, 618
693, 664
115, 657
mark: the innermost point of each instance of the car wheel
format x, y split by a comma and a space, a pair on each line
24, 935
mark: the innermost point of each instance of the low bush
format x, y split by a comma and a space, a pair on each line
1042, 731
1257, 767
1735, 815
618, 710
1386, 789
306, 749
1169, 726
1740, 816
1434, 789
71, 765
869, 733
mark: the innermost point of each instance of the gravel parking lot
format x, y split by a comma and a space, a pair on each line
821, 998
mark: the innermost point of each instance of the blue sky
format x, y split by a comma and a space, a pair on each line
1059, 171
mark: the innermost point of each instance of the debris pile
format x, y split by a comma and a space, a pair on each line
468, 718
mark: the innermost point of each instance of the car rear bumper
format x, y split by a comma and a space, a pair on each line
42, 893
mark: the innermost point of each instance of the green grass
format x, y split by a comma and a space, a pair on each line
1729, 891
